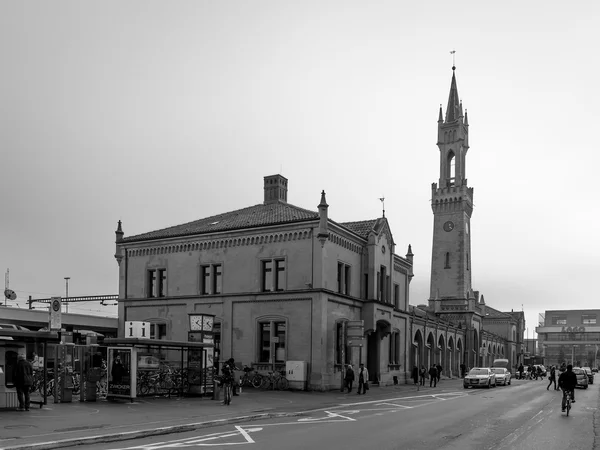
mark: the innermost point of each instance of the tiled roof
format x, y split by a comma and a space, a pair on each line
491, 312
362, 228
253, 216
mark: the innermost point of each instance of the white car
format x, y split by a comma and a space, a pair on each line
503, 376
480, 377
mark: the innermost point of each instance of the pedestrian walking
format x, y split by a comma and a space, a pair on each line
422, 375
463, 369
23, 379
415, 376
433, 376
363, 379
349, 378
552, 378
521, 370
439, 372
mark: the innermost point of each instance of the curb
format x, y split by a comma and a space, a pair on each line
128, 435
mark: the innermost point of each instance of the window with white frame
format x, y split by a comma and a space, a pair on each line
158, 331
396, 295
211, 279
272, 336
343, 278
273, 275
157, 283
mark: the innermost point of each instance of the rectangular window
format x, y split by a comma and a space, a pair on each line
366, 286
273, 275
394, 352
267, 276
162, 282
158, 331
272, 338
204, 280
157, 283
396, 295
588, 319
347, 280
382, 284
279, 275
388, 297
378, 286
216, 281
151, 283
559, 320
343, 278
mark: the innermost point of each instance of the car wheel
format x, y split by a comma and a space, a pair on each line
466, 387
509, 382
585, 387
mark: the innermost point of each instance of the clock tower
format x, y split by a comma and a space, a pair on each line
452, 205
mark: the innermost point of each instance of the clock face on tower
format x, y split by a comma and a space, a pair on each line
208, 323
449, 226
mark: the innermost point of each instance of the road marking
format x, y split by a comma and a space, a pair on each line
394, 404
246, 435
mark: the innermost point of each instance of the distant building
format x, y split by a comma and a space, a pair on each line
570, 336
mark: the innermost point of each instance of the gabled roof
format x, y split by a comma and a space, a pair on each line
250, 217
495, 314
362, 228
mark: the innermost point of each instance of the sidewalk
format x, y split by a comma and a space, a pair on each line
64, 424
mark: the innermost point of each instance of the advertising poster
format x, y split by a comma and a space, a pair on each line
119, 372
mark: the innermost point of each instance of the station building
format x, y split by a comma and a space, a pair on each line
280, 282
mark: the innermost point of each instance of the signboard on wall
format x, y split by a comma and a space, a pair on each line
137, 329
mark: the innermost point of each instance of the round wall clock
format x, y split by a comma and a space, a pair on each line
449, 226
383, 249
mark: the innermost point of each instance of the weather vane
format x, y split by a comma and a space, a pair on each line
382, 199
453, 64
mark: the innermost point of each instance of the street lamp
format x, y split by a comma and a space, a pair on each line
67, 294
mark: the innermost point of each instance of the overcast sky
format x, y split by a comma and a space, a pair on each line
159, 113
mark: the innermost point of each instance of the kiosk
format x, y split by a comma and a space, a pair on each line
140, 367
31, 344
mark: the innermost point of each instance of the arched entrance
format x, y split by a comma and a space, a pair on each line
451, 359
374, 338
417, 349
430, 349
441, 350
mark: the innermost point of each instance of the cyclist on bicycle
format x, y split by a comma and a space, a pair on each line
567, 382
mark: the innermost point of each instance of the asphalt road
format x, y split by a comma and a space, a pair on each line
521, 416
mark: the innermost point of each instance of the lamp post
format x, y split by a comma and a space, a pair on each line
67, 294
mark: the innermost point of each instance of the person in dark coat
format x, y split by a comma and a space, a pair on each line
363, 379
23, 380
349, 378
521, 370
439, 372
433, 376
567, 382
118, 370
415, 376
463, 369
552, 379
422, 375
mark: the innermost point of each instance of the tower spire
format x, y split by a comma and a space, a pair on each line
453, 109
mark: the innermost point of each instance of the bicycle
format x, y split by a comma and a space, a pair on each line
227, 384
251, 380
568, 401
273, 381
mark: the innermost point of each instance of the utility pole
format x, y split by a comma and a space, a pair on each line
67, 294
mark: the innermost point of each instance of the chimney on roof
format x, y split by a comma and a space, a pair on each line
275, 189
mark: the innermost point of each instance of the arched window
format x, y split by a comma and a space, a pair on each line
451, 168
